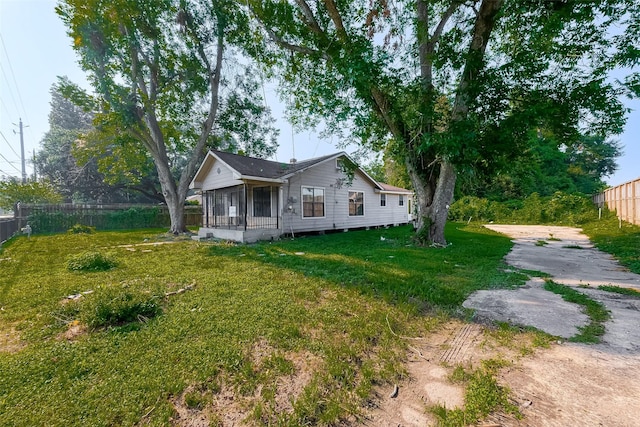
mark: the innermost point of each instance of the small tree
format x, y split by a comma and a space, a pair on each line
12, 192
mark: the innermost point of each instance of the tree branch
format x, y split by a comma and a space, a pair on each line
292, 47
309, 19
427, 43
214, 87
483, 27
335, 16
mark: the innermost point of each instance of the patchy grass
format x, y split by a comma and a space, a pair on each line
621, 242
620, 290
506, 335
596, 311
483, 396
295, 332
541, 243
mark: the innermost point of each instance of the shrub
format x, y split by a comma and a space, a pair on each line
469, 207
116, 306
91, 261
560, 208
81, 229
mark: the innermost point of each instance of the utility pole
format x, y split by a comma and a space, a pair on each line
33, 160
24, 169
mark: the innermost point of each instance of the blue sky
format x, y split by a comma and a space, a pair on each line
35, 50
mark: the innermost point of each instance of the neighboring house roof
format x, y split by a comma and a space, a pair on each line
256, 169
386, 188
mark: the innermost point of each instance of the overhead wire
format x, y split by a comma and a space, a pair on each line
15, 104
17, 88
10, 163
9, 144
24, 110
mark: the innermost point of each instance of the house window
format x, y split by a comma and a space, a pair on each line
383, 199
356, 203
312, 202
400, 200
262, 201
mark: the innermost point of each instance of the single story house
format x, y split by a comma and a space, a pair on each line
247, 199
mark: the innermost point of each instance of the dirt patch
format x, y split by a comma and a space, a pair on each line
187, 415
75, 330
431, 361
575, 385
10, 341
227, 407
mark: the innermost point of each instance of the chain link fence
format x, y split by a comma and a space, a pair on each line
61, 217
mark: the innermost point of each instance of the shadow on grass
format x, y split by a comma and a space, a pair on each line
386, 263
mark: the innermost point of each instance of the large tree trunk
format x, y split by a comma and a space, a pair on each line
176, 214
173, 197
433, 196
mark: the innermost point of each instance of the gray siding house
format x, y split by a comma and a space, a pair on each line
247, 199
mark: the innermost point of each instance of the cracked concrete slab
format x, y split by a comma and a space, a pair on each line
569, 258
530, 305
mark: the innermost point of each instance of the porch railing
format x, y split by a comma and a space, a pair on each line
232, 208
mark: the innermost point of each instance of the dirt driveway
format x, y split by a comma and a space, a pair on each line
565, 385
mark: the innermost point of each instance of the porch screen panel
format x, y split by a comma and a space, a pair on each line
262, 202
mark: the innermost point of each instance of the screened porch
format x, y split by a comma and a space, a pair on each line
242, 207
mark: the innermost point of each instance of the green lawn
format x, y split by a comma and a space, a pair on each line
621, 239
326, 312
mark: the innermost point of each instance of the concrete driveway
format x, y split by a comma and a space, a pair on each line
569, 258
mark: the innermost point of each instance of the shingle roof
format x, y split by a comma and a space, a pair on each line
251, 166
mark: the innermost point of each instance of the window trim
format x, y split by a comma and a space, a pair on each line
324, 202
349, 206
400, 199
383, 200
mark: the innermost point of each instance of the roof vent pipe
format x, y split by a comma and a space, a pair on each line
293, 161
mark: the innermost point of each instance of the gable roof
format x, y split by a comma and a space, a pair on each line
260, 169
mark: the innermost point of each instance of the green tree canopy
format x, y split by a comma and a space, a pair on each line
76, 177
12, 192
456, 84
159, 74
546, 167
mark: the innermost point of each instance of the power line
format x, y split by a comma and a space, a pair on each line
6, 109
15, 104
8, 143
10, 164
24, 110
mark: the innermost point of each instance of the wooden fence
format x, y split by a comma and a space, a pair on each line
8, 227
624, 199
61, 217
